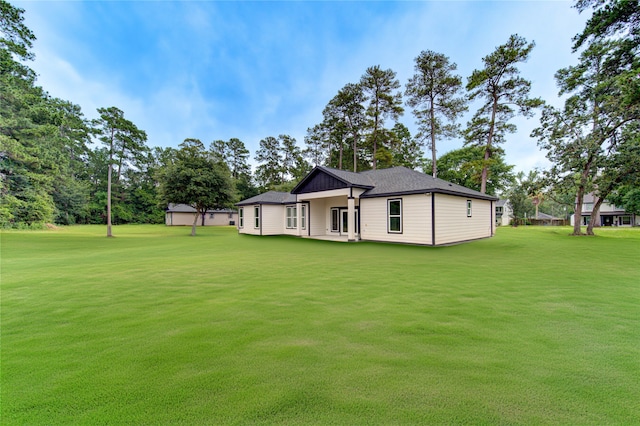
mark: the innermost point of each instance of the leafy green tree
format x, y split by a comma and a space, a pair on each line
464, 167
378, 88
616, 20
502, 90
316, 141
581, 138
269, 173
434, 92
197, 180
520, 200
404, 150
345, 117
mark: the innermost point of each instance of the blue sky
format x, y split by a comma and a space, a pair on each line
217, 70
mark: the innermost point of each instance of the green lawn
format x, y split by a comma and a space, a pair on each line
155, 327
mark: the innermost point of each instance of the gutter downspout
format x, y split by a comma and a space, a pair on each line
433, 219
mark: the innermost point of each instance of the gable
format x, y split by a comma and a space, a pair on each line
317, 181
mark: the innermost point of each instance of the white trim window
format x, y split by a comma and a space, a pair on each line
256, 217
292, 217
241, 217
625, 220
394, 216
468, 208
303, 216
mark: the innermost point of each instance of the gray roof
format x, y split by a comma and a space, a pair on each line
378, 183
271, 197
354, 179
401, 180
502, 202
184, 208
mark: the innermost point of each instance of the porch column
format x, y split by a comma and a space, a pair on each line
351, 226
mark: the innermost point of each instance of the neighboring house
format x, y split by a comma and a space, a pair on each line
609, 215
393, 205
503, 213
182, 214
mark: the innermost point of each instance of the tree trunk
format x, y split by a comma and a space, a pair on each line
577, 215
355, 155
433, 143
109, 234
195, 223
487, 152
595, 215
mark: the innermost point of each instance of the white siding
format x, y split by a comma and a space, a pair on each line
249, 220
452, 223
416, 219
273, 219
316, 219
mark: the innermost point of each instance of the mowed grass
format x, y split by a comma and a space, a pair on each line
156, 327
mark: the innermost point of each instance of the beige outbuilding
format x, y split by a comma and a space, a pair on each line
397, 205
183, 215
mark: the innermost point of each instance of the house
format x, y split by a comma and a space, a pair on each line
609, 215
182, 214
503, 213
392, 205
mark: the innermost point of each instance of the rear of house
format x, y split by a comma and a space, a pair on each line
389, 205
609, 215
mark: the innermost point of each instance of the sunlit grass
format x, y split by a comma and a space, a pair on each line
156, 327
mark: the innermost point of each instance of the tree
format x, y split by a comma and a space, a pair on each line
404, 149
345, 118
124, 141
269, 173
434, 92
615, 20
519, 199
195, 179
294, 165
581, 138
378, 89
464, 167
316, 141
501, 88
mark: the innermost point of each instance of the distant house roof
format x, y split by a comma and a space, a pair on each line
544, 216
501, 202
271, 197
184, 208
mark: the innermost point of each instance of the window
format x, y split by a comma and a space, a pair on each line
468, 208
303, 216
241, 217
256, 215
210, 215
292, 217
625, 220
394, 209
499, 211
231, 215
335, 222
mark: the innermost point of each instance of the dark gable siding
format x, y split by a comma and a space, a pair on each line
320, 182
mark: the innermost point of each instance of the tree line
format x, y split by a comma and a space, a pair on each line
53, 171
